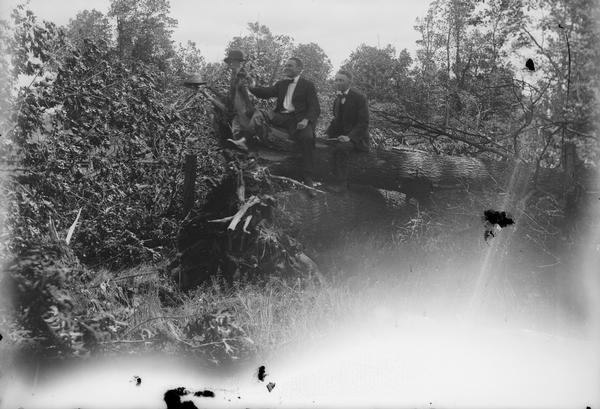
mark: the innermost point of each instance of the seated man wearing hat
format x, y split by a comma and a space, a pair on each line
246, 121
297, 111
238, 103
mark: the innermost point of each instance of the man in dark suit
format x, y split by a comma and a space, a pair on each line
297, 111
349, 127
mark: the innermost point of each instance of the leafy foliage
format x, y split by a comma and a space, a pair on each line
144, 30
104, 135
267, 54
470, 93
89, 25
376, 71
44, 283
317, 66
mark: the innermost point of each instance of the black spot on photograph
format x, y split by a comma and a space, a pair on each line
262, 373
530, 65
206, 393
173, 398
496, 217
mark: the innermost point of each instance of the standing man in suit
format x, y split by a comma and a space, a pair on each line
297, 111
349, 127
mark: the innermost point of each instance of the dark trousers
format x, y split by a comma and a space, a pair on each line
304, 138
340, 157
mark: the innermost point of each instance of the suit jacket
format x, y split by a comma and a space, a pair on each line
305, 99
352, 119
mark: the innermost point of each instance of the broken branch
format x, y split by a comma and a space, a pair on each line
238, 216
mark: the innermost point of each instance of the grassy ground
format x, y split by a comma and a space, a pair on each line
426, 262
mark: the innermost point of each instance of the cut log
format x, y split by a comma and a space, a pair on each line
415, 173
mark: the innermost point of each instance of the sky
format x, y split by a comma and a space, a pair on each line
338, 26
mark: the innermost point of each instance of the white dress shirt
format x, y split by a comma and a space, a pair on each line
287, 101
343, 95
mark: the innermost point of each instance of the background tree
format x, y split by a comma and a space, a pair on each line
463, 82
90, 25
266, 53
144, 30
6, 81
564, 44
317, 66
188, 59
374, 70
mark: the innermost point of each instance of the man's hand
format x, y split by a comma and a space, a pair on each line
302, 124
343, 138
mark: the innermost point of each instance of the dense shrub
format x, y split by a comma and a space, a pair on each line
108, 136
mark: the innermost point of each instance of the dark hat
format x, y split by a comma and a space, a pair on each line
235, 55
193, 80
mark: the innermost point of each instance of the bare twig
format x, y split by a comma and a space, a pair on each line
72, 228
246, 223
241, 186
295, 182
541, 156
134, 275
223, 220
223, 341
453, 134
180, 317
127, 341
238, 216
52, 228
214, 100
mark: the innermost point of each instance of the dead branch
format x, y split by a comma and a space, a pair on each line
72, 228
238, 216
295, 182
246, 223
223, 220
432, 130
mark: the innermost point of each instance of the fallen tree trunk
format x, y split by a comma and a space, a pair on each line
418, 174
388, 169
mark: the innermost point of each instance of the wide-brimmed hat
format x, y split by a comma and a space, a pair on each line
235, 55
193, 80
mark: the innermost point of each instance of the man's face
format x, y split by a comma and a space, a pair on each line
291, 69
235, 65
342, 82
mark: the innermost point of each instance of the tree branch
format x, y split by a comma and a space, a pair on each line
500, 150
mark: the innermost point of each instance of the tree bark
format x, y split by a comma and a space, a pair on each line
413, 172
